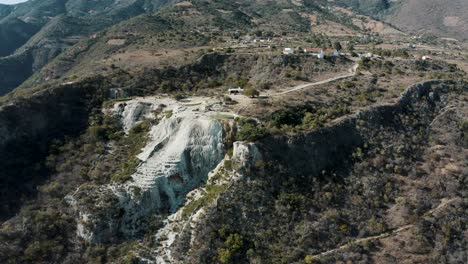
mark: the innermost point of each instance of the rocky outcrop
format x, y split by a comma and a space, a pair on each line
184, 146
289, 196
331, 146
181, 228
245, 156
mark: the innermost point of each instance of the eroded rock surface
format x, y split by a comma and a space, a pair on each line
183, 147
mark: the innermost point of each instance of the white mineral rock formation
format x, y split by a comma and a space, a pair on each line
183, 147
133, 112
245, 156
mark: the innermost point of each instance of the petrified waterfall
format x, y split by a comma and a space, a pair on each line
183, 148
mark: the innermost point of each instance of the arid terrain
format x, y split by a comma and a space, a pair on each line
213, 131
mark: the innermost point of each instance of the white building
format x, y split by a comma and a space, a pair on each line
237, 90
288, 51
321, 53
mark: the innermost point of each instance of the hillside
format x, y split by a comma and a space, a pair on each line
436, 17
175, 35
218, 131
40, 30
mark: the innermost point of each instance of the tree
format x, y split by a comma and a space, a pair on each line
337, 46
251, 92
250, 131
350, 46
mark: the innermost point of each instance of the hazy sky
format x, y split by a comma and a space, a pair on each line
11, 1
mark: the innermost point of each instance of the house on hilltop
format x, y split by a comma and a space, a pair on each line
321, 53
312, 50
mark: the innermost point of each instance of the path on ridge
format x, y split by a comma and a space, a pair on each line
443, 203
352, 72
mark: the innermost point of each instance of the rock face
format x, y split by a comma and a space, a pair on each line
301, 168
328, 147
133, 113
183, 148
245, 155
180, 229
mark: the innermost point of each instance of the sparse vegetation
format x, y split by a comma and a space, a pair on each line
250, 130
251, 92
322, 180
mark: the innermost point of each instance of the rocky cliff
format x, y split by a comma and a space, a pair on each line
184, 145
190, 199
329, 147
347, 166
27, 128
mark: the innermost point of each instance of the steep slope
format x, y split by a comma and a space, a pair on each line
27, 128
366, 188
437, 17
40, 30
5, 10
25, 20
368, 6
87, 198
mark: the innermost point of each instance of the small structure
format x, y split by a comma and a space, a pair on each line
288, 51
313, 51
426, 58
320, 53
235, 91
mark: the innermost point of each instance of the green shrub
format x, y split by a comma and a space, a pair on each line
251, 131
251, 92
232, 245
212, 192
168, 114
228, 165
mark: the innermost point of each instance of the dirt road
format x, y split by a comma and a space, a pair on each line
351, 73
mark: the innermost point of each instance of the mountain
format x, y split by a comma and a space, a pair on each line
368, 6
436, 17
161, 38
126, 144
35, 32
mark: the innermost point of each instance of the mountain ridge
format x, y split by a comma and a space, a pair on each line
44, 29
127, 144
